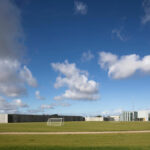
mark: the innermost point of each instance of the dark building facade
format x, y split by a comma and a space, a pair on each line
12, 118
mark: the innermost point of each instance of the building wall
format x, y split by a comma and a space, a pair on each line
129, 116
27, 118
144, 114
40, 118
73, 118
94, 119
115, 118
3, 118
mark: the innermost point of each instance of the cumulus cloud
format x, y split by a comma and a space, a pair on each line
146, 7
80, 8
87, 56
38, 96
28, 77
125, 66
11, 107
13, 74
19, 103
79, 87
13, 78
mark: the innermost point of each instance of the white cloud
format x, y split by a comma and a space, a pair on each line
119, 33
28, 77
13, 76
124, 66
38, 96
146, 7
11, 107
19, 103
79, 87
107, 59
80, 8
87, 56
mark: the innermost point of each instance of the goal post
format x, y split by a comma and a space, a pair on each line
55, 121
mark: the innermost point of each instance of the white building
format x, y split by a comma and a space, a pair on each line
144, 114
3, 118
129, 116
115, 118
94, 119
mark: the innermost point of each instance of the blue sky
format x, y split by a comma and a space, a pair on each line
74, 57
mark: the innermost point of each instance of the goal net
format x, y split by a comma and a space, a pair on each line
55, 121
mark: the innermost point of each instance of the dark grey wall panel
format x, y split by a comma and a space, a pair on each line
40, 118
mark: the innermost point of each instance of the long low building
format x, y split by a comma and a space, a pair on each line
14, 118
108, 118
94, 119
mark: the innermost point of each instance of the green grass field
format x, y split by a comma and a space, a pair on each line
139, 141
81, 142
75, 126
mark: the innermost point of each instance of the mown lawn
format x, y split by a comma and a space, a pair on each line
75, 126
73, 148
73, 142
139, 141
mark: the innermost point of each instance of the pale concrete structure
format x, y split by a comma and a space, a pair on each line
94, 119
115, 118
144, 115
3, 118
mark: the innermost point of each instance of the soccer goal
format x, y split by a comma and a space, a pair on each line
55, 121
